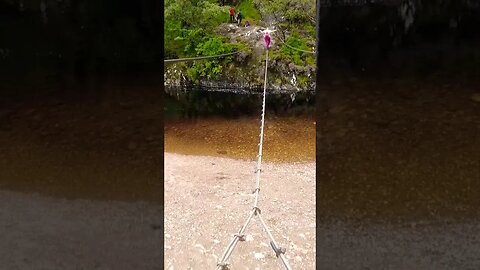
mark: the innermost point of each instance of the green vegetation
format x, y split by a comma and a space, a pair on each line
192, 29
210, 69
295, 41
188, 23
295, 20
303, 81
289, 14
249, 11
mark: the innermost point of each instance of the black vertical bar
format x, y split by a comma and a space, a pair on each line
317, 51
317, 105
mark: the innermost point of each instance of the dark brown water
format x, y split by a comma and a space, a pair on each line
201, 122
287, 139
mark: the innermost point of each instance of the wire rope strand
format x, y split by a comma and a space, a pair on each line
280, 255
260, 145
233, 243
293, 48
198, 58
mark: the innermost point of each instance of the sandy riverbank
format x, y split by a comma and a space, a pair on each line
207, 200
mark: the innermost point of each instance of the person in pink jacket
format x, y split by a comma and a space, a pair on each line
267, 40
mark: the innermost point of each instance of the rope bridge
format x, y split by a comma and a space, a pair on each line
297, 49
240, 236
198, 58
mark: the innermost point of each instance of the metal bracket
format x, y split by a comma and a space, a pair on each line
223, 266
277, 250
241, 237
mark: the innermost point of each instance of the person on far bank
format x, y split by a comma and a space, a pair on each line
232, 14
239, 18
267, 40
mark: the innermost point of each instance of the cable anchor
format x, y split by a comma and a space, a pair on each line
223, 265
241, 237
277, 250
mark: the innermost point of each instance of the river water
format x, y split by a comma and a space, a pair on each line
228, 124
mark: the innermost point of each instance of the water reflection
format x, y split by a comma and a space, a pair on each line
206, 101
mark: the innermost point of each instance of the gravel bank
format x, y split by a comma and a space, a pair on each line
207, 200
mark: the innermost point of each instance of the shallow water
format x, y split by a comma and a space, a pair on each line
202, 122
287, 139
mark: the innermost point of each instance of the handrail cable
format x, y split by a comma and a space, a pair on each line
198, 58
298, 49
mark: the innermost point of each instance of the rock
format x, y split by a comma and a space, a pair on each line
259, 256
241, 56
200, 247
291, 67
